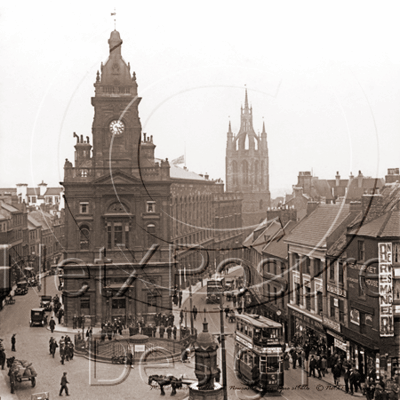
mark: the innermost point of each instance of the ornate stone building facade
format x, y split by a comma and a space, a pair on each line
121, 202
247, 167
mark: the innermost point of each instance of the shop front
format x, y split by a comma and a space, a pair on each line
306, 327
363, 352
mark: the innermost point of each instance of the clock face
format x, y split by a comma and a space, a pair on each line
117, 127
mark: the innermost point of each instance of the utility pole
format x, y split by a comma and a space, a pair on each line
191, 306
223, 352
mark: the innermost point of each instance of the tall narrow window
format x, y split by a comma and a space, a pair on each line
332, 271
341, 277
246, 142
151, 235
235, 172
109, 235
361, 250
84, 234
117, 234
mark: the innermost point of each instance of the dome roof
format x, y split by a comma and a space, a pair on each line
205, 339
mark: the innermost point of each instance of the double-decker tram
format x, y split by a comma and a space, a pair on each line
259, 352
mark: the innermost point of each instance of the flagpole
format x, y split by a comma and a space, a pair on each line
185, 153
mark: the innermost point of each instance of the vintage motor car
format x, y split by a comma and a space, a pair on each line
38, 317
22, 288
45, 302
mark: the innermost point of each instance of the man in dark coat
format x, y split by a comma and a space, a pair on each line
53, 347
313, 365
74, 321
64, 384
2, 358
194, 312
52, 324
180, 299
162, 330
169, 331
181, 317
294, 358
346, 379
13, 342
174, 332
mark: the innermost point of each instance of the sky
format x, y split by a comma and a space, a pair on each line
323, 76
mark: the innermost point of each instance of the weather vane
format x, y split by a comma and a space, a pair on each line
115, 19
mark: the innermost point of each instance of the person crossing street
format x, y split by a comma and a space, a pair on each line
64, 386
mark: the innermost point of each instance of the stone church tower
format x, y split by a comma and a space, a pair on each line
247, 167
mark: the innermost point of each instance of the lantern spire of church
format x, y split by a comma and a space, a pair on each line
246, 101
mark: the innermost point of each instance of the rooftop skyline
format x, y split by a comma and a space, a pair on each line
324, 78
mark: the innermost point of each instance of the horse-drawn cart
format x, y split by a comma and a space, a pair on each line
19, 371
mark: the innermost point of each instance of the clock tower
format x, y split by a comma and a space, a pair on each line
116, 126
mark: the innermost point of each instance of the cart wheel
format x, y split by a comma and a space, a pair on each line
33, 380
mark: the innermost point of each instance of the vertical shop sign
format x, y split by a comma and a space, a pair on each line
386, 325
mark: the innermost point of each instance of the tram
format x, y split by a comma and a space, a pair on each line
259, 347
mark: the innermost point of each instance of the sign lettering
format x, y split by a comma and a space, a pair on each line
386, 323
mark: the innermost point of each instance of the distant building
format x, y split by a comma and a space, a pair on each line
247, 167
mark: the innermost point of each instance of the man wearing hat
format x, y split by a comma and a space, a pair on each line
52, 324
64, 384
13, 342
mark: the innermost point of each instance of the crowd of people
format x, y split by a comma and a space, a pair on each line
313, 357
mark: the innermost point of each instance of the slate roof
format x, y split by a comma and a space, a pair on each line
387, 225
277, 247
54, 191
12, 191
8, 207
180, 173
33, 191
314, 229
32, 223
42, 217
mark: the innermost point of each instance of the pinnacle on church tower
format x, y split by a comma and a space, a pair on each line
246, 101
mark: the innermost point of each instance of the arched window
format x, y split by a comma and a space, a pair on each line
256, 144
237, 145
84, 236
151, 235
246, 142
245, 172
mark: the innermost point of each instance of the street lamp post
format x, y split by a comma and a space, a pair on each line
223, 351
191, 305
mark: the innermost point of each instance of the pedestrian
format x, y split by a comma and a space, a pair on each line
13, 342
181, 317
319, 367
64, 384
174, 332
53, 347
370, 388
294, 358
323, 365
336, 370
52, 324
74, 321
162, 330
286, 361
62, 353
180, 299
234, 301
346, 376
379, 393
313, 365
227, 311
169, 332
2, 358
194, 312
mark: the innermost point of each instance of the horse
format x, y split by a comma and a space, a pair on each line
165, 380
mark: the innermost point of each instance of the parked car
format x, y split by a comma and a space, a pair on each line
22, 288
45, 302
38, 317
